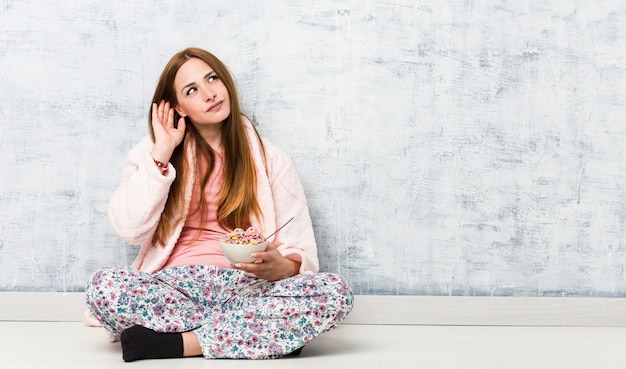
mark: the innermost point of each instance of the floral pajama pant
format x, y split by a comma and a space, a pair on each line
233, 314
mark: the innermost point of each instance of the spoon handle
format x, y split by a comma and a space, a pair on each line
279, 228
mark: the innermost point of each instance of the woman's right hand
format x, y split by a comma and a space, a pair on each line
166, 136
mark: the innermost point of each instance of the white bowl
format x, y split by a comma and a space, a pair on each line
241, 253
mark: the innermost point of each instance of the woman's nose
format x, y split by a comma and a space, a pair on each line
208, 94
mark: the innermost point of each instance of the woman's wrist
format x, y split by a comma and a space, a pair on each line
161, 153
294, 267
162, 166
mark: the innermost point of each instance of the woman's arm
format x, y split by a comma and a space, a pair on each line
136, 205
296, 241
293, 249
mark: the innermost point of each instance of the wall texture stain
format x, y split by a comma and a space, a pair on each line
447, 148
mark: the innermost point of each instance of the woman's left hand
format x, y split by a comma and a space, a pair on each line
270, 265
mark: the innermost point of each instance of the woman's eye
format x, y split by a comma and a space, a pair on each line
191, 90
212, 78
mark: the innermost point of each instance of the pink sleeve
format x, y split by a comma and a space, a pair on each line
297, 240
136, 205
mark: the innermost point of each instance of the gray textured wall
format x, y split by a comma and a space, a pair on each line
447, 147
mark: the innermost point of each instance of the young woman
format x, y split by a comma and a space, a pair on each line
203, 171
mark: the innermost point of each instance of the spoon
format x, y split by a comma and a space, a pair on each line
279, 228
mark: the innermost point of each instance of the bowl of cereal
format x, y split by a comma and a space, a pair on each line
239, 244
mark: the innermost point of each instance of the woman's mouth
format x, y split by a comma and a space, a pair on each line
215, 106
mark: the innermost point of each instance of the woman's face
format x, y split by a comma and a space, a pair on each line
201, 95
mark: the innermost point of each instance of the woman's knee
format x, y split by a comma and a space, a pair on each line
340, 286
104, 279
340, 296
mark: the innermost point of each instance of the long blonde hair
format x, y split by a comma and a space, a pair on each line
237, 199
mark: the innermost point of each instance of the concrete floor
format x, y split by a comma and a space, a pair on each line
72, 345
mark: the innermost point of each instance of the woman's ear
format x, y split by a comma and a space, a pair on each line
180, 111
